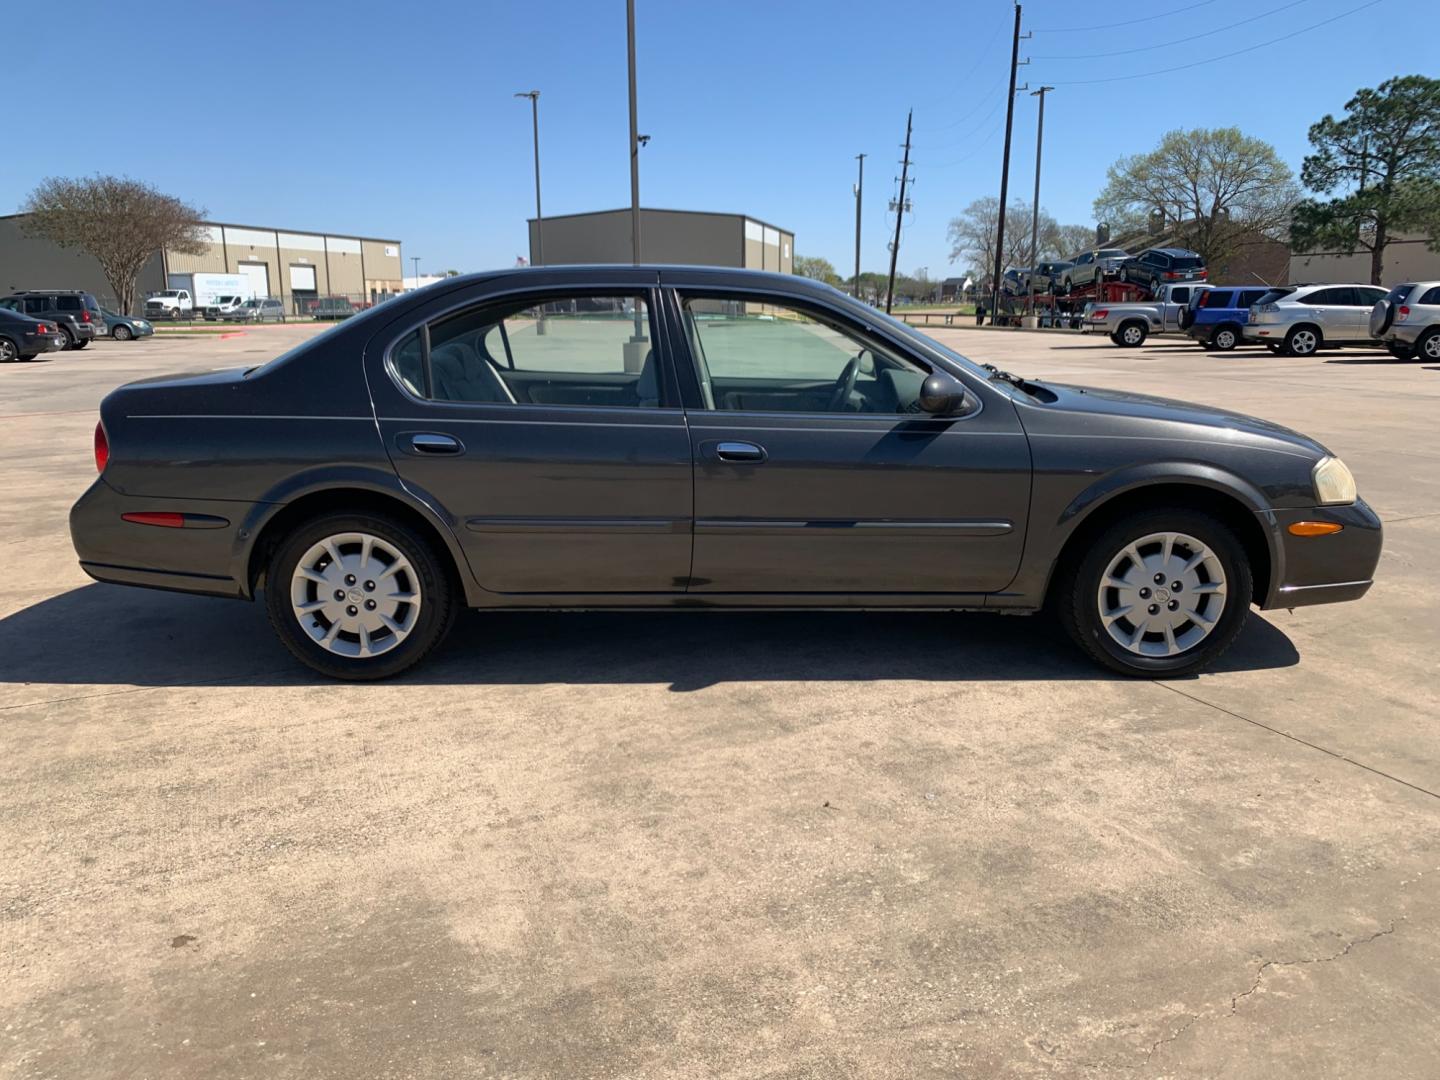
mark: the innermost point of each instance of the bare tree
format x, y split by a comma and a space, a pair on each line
119, 221
1071, 240
1219, 186
972, 234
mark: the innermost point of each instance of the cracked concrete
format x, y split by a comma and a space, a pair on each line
902, 846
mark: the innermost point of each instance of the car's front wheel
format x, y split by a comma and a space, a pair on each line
1226, 338
1428, 347
1158, 594
121, 333
358, 596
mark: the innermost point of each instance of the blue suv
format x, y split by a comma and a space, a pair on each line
1215, 315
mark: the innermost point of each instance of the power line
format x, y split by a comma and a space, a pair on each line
971, 134
1184, 41
981, 145
1224, 56
1116, 25
995, 91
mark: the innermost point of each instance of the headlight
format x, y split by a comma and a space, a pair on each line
1333, 482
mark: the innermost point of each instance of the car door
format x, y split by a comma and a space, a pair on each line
545, 425
1364, 298
815, 471
1330, 310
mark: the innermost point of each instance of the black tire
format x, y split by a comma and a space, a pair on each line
1078, 599
1225, 337
69, 339
1275, 348
1131, 334
1401, 352
1297, 335
81, 343
1208, 346
122, 333
9, 351
1428, 347
438, 599
1154, 285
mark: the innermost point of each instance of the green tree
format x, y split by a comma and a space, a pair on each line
1380, 165
1219, 186
119, 221
815, 267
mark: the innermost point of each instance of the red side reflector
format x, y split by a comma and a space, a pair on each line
157, 517
102, 448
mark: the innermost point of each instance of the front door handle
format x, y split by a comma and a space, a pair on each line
740, 451
428, 443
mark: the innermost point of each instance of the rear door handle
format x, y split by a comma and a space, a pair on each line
740, 451
431, 443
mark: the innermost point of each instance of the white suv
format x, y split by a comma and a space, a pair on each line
1298, 319
1408, 320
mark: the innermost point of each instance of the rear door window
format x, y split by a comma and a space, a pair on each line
1249, 297
36, 304
1431, 297
1217, 298
1327, 297
68, 303
1367, 295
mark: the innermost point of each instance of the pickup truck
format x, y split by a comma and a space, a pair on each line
170, 304
1131, 324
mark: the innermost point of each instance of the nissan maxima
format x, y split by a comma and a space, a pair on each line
685, 438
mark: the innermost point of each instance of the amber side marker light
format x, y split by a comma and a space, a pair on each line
1314, 528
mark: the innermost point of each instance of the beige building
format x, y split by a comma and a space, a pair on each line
1408, 258
294, 267
690, 237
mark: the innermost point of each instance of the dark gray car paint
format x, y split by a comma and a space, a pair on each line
574, 506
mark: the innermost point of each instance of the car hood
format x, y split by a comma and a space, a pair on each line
1148, 411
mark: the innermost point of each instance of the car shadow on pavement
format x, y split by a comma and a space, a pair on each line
108, 635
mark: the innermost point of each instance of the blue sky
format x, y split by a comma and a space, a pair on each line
397, 120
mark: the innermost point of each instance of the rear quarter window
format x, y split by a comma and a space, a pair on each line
1218, 298
1431, 297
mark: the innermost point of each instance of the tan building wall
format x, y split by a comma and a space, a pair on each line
1406, 259
666, 236
384, 267
30, 263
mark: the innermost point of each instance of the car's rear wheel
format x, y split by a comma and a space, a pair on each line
1401, 352
121, 333
81, 343
1159, 594
1302, 341
9, 351
1226, 338
358, 596
69, 342
1428, 347
1131, 334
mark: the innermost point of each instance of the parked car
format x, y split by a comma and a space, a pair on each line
699, 438
1046, 275
23, 337
332, 307
1129, 324
1296, 320
223, 306
75, 312
1154, 267
170, 304
1091, 266
1408, 321
1216, 316
124, 327
264, 309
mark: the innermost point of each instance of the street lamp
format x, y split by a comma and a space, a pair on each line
415, 260
534, 96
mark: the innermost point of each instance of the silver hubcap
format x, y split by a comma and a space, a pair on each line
1303, 343
7, 351
355, 595
1162, 594
1132, 336
1432, 347
1225, 339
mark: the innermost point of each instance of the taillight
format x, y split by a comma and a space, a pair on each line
1171, 275
44, 328
1100, 314
102, 448
1205, 299
84, 315
1402, 314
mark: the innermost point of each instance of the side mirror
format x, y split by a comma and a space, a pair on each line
941, 394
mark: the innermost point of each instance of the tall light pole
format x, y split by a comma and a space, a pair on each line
534, 96
1035, 205
859, 198
415, 260
634, 138
1005, 172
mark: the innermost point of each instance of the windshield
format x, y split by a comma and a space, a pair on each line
168, 292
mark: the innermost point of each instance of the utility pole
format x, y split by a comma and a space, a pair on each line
859, 198
1035, 207
634, 140
534, 96
415, 261
1005, 171
900, 207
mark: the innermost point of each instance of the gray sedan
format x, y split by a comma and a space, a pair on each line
700, 439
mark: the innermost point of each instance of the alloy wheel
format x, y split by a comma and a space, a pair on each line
355, 595
1303, 342
1225, 340
1161, 595
1430, 347
121, 333
8, 351
1132, 335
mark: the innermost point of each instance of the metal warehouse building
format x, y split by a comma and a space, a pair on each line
291, 266
666, 236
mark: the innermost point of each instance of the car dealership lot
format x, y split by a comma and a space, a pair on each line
747, 845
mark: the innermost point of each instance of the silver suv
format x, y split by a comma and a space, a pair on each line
1298, 319
1408, 320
